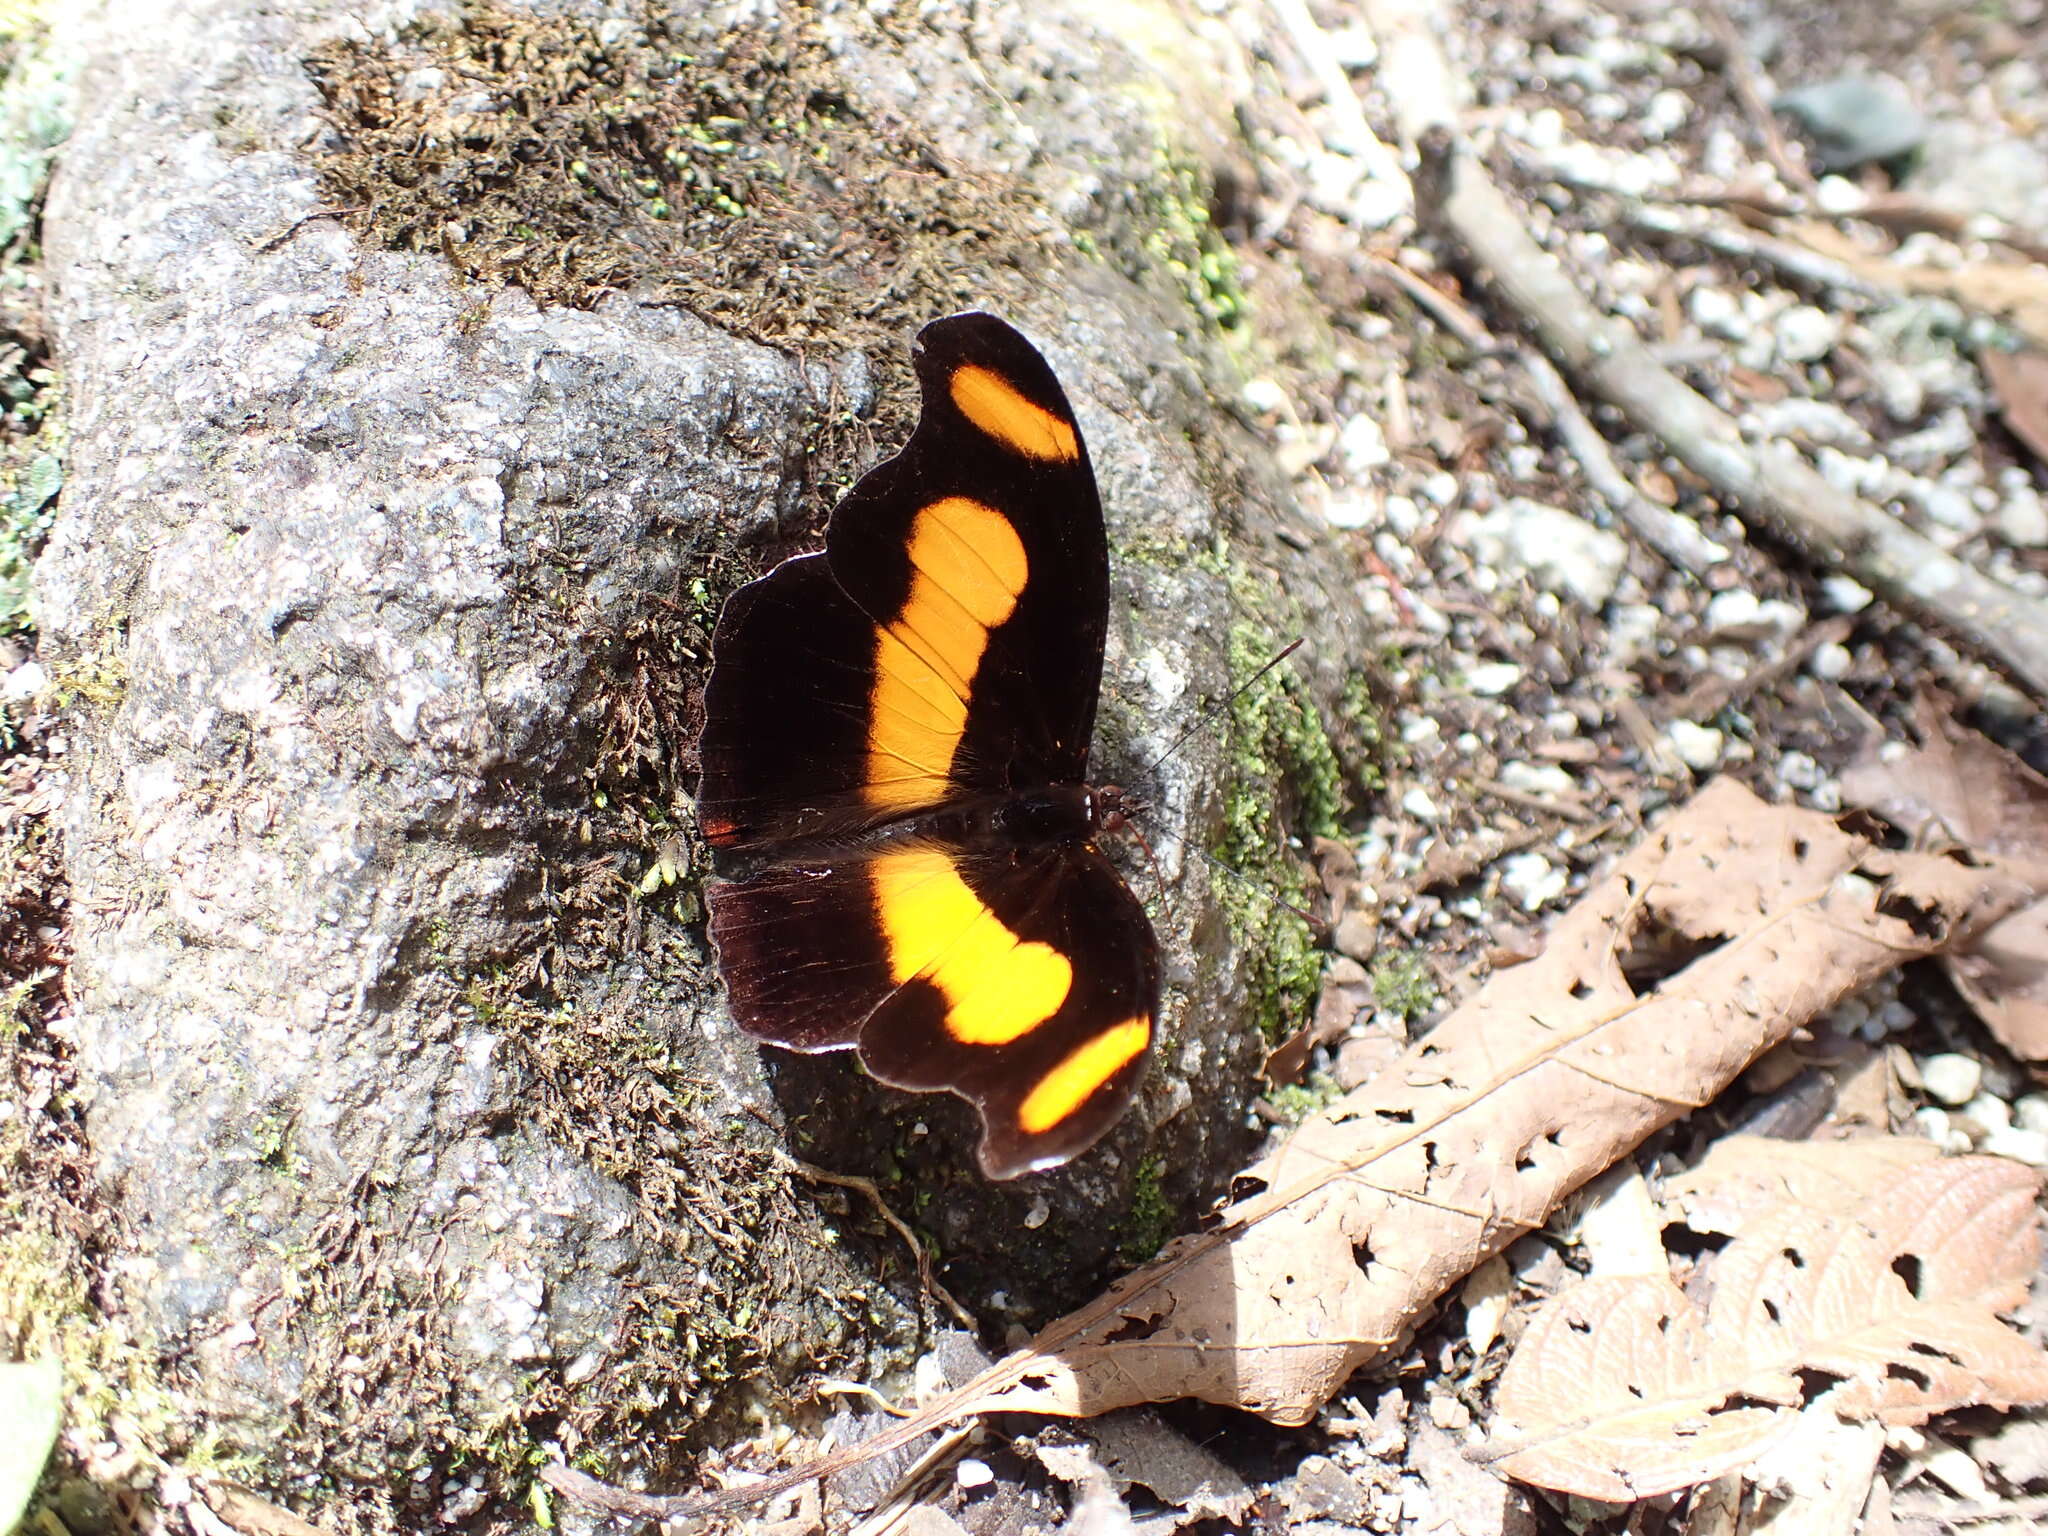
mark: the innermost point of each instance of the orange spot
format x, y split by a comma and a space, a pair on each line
970, 568
997, 986
1086, 1068
1021, 425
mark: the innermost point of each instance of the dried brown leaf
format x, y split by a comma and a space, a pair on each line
2020, 381
1958, 786
1711, 941
1878, 1264
1618, 1380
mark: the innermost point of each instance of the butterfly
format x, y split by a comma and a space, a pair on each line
895, 773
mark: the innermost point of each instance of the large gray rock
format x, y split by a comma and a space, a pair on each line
428, 1128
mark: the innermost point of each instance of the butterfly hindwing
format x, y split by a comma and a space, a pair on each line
1024, 985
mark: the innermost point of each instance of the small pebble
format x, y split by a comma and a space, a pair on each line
1951, 1078
973, 1474
2031, 1113
1362, 445
1493, 678
1831, 663
24, 682
1546, 779
1531, 879
1264, 396
2030, 1147
1559, 549
1934, 1125
1717, 312
1844, 594
1990, 1113
2022, 518
1798, 771
1350, 512
1416, 803
1806, 334
1699, 747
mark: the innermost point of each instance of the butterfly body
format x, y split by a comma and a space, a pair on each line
895, 760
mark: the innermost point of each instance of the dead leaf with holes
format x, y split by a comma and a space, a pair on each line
1725, 930
1864, 1277
2019, 381
1958, 787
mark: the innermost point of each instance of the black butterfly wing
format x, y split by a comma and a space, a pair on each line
1026, 985
948, 642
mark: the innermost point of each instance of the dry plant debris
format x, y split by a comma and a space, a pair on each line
1957, 787
1864, 1279
1724, 931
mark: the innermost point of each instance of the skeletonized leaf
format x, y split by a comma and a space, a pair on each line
1878, 1269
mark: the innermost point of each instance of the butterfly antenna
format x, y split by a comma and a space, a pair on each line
1316, 925
1218, 706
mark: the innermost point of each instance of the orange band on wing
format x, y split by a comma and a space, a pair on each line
997, 986
1021, 425
968, 567
1086, 1068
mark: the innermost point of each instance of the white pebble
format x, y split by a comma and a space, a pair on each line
2030, 1147
2031, 1112
1416, 803
1806, 334
1531, 879
1561, 550
1831, 662
2022, 518
1362, 445
1844, 594
1989, 1111
24, 682
1798, 771
1264, 396
973, 1474
1403, 515
1350, 512
1491, 679
1952, 1078
1699, 747
1537, 778
1718, 314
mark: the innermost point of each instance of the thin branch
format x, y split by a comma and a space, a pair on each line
1676, 537
1768, 482
1735, 63
1355, 136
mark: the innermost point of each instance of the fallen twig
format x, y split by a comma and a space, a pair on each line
1677, 538
1356, 136
1768, 482
1706, 699
1742, 78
